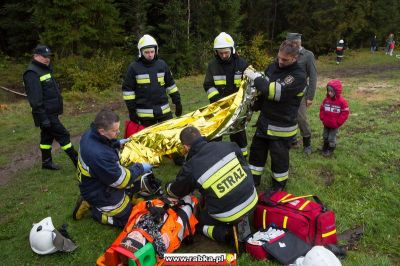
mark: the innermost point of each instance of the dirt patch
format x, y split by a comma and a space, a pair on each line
359, 71
328, 177
26, 160
92, 106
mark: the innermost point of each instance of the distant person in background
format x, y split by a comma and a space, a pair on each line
391, 48
334, 111
373, 44
388, 42
45, 98
306, 61
223, 78
339, 51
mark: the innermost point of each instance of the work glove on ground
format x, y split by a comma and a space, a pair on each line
178, 109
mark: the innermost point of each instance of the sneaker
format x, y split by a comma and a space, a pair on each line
50, 166
307, 150
81, 208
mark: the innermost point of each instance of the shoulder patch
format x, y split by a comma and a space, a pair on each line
288, 79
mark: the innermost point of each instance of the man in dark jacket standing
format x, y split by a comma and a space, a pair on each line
47, 104
223, 78
280, 93
221, 174
306, 61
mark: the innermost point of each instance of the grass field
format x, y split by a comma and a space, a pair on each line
361, 182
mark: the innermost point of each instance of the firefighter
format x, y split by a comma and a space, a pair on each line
221, 174
223, 78
280, 94
306, 61
47, 104
147, 83
105, 185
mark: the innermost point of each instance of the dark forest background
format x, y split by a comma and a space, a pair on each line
185, 29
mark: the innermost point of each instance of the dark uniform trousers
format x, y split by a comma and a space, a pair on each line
240, 139
153, 121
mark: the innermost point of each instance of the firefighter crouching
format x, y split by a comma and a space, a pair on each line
105, 185
221, 174
280, 94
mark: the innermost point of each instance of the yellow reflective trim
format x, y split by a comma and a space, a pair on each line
300, 94
280, 179
329, 233
142, 81
45, 77
244, 153
104, 219
66, 147
284, 222
166, 110
220, 82
271, 91
281, 133
255, 172
145, 115
285, 197
210, 231
284, 200
45, 147
220, 173
82, 170
237, 81
126, 179
173, 90
229, 181
119, 209
161, 80
210, 95
264, 219
239, 214
129, 97
304, 205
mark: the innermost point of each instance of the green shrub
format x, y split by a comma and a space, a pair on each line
98, 73
256, 52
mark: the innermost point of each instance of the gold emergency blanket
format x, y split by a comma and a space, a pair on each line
226, 116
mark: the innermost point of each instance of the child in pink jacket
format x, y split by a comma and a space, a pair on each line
333, 112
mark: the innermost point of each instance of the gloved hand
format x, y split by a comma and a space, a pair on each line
123, 141
178, 109
147, 167
134, 117
251, 74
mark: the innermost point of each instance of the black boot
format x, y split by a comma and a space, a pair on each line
47, 161
73, 155
257, 180
276, 187
179, 160
325, 147
307, 145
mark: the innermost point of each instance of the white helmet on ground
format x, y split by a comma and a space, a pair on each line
45, 239
224, 40
149, 185
318, 256
147, 41
341, 41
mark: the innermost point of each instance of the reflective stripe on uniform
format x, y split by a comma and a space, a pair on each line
208, 231
123, 179
211, 92
256, 170
282, 131
219, 80
128, 95
149, 112
239, 210
45, 77
244, 151
160, 78
214, 172
275, 91
66, 147
142, 79
237, 79
115, 209
82, 167
280, 176
45, 146
301, 94
171, 89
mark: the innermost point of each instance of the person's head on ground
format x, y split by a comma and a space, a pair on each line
224, 46
288, 53
107, 123
188, 136
42, 54
148, 48
294, 37
334, 88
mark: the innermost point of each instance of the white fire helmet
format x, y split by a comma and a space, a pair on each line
45, 239
341, 41
224, 40
149, 185
318, 256
147, 41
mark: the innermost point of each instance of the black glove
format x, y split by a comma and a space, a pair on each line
215, 98
134, 117
178, 109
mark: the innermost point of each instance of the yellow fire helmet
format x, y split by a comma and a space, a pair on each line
147, 41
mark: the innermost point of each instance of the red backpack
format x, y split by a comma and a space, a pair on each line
309, 220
